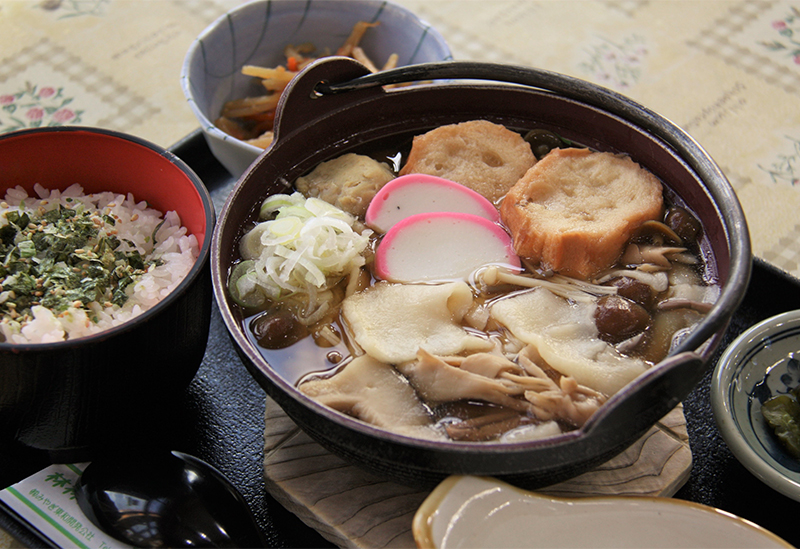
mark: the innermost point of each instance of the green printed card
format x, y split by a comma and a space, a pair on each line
46, 501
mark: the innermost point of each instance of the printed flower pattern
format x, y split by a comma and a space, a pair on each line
75, 8
789, 30
617, 65
36, 107
786, 167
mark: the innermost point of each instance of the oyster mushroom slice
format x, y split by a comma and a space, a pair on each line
565, 400
373, 392
436, 382
525, 391
390, 322
564, 334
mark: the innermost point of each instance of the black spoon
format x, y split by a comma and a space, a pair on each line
166, 499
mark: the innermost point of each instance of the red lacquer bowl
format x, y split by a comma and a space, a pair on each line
71, 397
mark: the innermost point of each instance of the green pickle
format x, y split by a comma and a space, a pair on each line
782, 413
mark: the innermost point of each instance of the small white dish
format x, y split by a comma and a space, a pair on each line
762, 362
465, 511
257, 32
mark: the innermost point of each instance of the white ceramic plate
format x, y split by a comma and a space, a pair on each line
483, 512
762, 362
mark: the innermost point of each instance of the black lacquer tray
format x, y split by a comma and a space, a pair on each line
221, 416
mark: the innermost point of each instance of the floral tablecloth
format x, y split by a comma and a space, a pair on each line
727, 71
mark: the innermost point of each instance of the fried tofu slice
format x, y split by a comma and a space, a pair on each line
575, 210
484, 156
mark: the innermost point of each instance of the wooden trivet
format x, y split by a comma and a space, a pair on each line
357, 509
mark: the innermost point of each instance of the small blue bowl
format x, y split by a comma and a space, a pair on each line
256, 33
761, 363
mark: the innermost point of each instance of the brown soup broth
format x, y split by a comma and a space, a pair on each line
306, 358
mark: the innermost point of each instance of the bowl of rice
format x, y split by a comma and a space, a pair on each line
105, 293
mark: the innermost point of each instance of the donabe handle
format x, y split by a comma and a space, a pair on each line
564, 85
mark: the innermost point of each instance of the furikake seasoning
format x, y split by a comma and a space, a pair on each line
65, 257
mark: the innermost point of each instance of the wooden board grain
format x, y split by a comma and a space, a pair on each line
353, 508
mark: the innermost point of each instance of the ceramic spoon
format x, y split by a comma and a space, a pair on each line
165, 499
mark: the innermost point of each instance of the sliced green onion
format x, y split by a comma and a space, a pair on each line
308, 242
